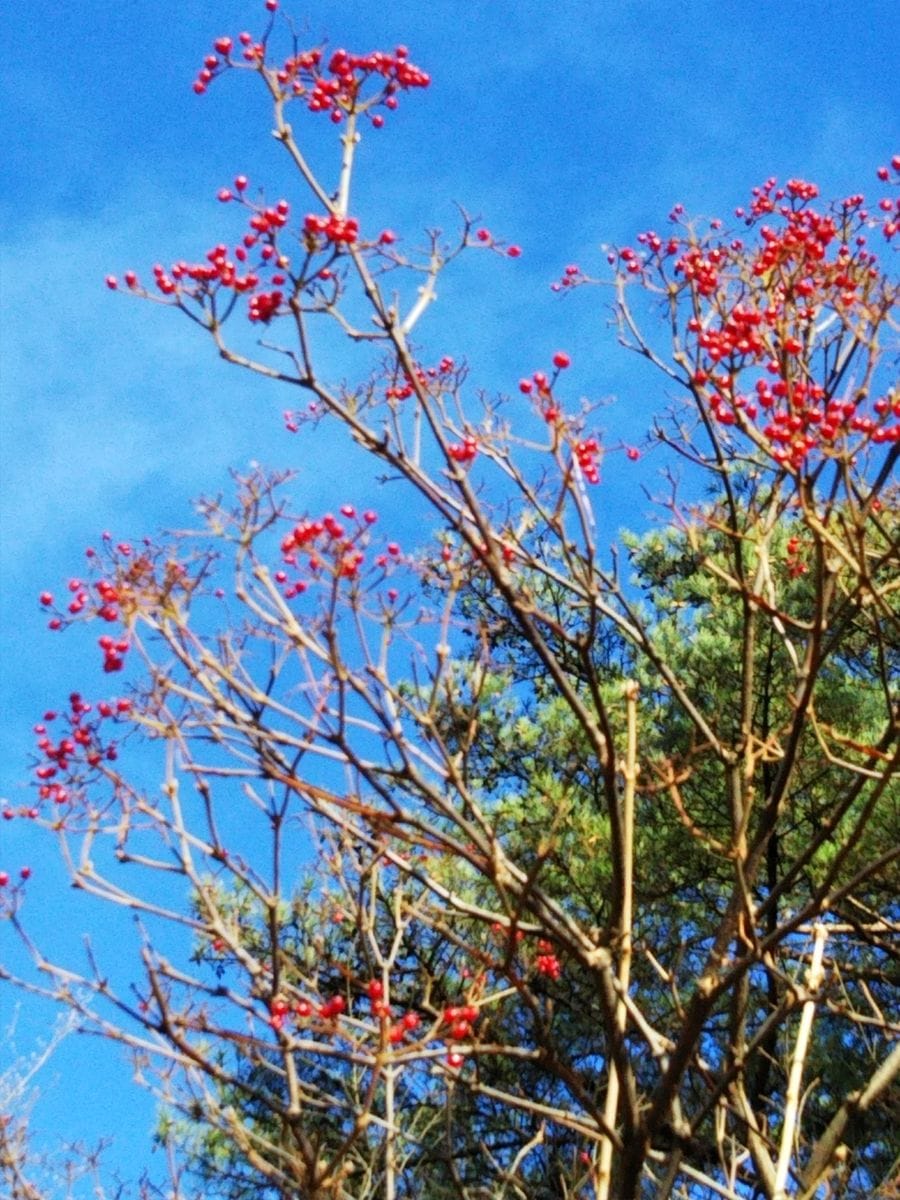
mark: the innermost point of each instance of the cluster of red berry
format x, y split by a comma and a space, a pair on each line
737, 337
82, 746
337, 85
129, 582
281, 1010
455, 1024
399, 1030
329, 546
460, 1021
224, 268
795, 564
767, 196
264, 306
336, 230
463, 452
540, 385
890, 208
586, 451
698, 267
106, 607
759, 308
571, 277
262, 280
587, 456
349, 72
402, 386
546, 962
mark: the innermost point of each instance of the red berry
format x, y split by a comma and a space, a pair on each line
561, 360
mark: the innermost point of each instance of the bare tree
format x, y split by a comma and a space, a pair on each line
497, 867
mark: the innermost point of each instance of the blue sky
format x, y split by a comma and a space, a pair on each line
564, 125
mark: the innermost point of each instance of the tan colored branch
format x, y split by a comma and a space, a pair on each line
795, 1079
